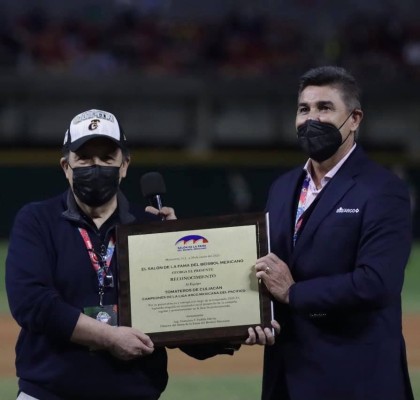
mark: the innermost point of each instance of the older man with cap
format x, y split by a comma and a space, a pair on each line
61, 280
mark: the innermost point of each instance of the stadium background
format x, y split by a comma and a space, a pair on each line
206, 92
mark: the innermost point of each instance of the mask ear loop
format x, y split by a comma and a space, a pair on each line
351, 113
344, 123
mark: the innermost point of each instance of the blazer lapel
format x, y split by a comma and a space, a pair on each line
282, 217
339, 185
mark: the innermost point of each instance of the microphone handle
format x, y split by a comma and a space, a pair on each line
156, 201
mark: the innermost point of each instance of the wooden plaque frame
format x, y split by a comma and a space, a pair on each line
193, 336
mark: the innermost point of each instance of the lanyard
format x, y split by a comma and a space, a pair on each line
100, 263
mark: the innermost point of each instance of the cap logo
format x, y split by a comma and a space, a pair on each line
94, 124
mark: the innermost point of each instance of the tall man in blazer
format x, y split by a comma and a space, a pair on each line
340, 237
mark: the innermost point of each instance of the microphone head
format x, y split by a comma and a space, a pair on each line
152, 184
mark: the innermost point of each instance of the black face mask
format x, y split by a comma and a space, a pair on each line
96, 184
320, 140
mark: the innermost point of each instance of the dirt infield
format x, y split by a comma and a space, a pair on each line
246, 361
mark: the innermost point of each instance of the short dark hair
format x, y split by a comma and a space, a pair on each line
333, 76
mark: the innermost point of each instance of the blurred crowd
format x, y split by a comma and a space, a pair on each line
238, 45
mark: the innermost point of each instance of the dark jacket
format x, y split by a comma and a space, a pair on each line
50, 280
341, 335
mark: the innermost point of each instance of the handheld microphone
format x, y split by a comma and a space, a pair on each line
152, 187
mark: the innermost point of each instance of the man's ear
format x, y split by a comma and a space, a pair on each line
124, 167
64, 165
356, 118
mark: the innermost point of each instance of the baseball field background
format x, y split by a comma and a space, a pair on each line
235, 377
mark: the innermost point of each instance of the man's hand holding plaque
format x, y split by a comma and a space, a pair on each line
264, 336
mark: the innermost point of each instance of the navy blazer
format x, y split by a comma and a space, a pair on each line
341, 336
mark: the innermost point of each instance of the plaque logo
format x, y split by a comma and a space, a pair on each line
191, 243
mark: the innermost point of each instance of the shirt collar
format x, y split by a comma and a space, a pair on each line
329, 175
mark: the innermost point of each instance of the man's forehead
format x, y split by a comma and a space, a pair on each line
316, 94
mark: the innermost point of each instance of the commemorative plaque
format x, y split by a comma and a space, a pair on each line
193, 280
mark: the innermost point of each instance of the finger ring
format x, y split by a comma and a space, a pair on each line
267, 270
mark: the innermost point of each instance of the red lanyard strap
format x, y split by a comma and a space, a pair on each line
100, 264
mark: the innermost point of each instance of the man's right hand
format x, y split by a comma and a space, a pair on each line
122, 342
263, 337
127, 343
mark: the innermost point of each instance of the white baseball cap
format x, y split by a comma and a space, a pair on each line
93, 124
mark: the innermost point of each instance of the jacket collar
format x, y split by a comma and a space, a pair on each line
72, 212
